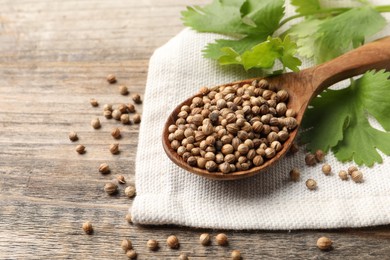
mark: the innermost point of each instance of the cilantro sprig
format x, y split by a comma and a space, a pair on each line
337, 119
323, 34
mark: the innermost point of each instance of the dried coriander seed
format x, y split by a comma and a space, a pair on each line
104, 168
80, 149
357, 176
116, 114
294, 148
87, 227
122, 108
221, 239
152, 244
131, 254
107, 114
324, 243
95, 123
125, 119
136, 118
310, 159
130, 108
236, 255
136, 98
126, 245
295, 174
343, 175
110, 188
107, 107
121, 179
114, 148
320, 155
116, 133
351, 169
94, 102
173, 242
183, 256
129, 218
311, 184
111, 78
204, 239
123, 90
326, 169
130, 191
73, 136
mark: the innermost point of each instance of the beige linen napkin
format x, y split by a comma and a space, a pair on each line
166, 194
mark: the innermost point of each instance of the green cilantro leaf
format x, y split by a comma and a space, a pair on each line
251, 21
337, 120
221, 16
306, 6
264, 55
214, 50
339, 34
305, 34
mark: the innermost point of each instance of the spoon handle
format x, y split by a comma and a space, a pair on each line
374, 55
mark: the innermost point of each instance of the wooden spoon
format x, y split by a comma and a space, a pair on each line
302, 87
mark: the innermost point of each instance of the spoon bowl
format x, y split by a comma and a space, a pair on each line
302, 87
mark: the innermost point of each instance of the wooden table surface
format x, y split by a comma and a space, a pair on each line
54, 56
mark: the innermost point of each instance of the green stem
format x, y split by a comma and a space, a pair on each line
322, 11
333, 11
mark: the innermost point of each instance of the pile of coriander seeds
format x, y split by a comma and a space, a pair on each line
233, 127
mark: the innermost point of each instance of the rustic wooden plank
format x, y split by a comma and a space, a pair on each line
54, 56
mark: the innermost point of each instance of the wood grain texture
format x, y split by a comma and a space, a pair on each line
54, 57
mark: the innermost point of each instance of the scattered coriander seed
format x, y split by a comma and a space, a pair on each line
130, 191
107, 107
295, 174
294, 148
104, 168
122, 108
93, 102
136, 98
343, 175
130, 108
126, 245
320, 155
183, 256
204, 239
111, 188
116, 133
357, 176
152, 244
95, 123
107, 114
111, 78
123, 90
87, 227
131, 254
129, 219
326, 169
221, 239
324, 243
114, 148
116, 114
351, 169
73, 136
125, 119
310, 159
173, 242
137, 118
311, 184
80, 149
121, 179
236, 255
